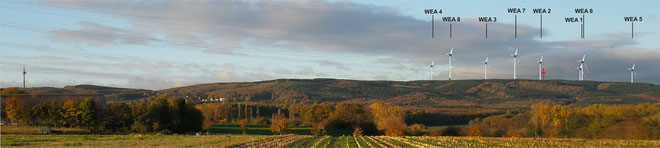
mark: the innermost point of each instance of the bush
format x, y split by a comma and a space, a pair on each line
417, 130
317, 130
435, 133
357, 131
244, 125
449, 131
475, 130
280, 124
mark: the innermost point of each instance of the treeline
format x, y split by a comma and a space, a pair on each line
161, 115
362, 119
640, 121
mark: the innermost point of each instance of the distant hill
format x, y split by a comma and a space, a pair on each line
458, 97
109, 93
454, 97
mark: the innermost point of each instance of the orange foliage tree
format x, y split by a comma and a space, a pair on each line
280, 124
71, 115
16, 110
540, 116
389, 118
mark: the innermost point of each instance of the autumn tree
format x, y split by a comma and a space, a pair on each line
540, 116
389, 118
475, 130
12, 91
280, 124
347, 115
640, 121
70, 114
244, 125
560, 115
16, 110
215, 112
316, 116
207, 124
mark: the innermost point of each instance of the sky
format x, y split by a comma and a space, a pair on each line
163, 44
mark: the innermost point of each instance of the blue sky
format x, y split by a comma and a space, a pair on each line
163, 44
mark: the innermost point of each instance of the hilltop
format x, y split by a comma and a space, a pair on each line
424, 93
109, 93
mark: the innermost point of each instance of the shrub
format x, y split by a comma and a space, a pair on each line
449, 131
417, 130
357, 131
280, 124
244, 125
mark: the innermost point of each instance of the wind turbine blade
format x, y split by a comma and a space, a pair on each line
516, 53
586, 68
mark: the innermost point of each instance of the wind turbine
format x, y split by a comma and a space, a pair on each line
632, 73
515, 59
540, 61
582, 67
451, 52
432, 62
486, 69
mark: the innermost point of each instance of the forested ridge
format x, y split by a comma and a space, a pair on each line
429, 101
402, 92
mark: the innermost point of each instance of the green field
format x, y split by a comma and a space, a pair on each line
265, 130
441, 127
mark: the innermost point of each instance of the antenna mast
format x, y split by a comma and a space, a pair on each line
24, 76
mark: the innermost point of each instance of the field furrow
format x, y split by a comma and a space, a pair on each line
250, 141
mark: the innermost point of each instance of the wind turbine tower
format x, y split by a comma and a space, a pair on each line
632, 73
581, 68
486, 69
432, 62
515, 59
451, 59
540, 61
